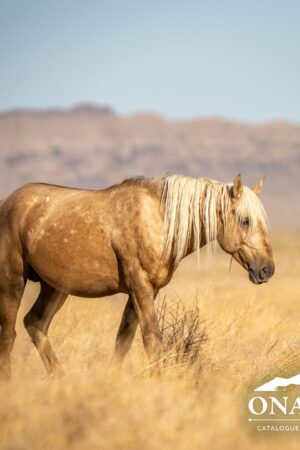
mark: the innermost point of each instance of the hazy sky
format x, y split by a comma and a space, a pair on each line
238, 59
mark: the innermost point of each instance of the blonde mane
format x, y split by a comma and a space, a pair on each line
190, 202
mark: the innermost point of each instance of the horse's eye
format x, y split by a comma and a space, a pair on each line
245, 222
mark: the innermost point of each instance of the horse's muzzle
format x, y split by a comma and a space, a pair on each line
261, 275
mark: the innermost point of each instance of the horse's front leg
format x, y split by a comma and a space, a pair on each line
125, 334
143, 294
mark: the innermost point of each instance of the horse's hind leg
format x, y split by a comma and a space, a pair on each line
12, 284
125, 334
37, 322
9, 304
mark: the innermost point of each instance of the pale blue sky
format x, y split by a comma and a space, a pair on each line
232, 58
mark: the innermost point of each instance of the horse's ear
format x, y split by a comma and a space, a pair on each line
237, 187
259, 185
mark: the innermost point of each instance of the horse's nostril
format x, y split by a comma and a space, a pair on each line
265, 272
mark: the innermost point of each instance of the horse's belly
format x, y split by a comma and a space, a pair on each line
86, 267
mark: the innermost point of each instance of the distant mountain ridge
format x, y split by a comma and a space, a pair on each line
92, 147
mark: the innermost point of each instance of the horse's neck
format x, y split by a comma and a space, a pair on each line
190, 205
191, 246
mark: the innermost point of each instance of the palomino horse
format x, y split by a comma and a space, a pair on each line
128, 238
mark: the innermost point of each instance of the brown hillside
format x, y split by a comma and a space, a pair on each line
93, 147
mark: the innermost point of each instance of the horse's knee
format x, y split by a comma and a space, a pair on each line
153, 341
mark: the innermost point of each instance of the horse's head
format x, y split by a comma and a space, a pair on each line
243, 231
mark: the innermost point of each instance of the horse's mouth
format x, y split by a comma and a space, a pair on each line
254, 279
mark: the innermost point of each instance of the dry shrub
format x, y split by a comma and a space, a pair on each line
183, 333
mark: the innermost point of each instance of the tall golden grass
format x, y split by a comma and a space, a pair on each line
246, 334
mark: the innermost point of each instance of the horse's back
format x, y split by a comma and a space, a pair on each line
33, 200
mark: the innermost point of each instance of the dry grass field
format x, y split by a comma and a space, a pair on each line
248, 333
